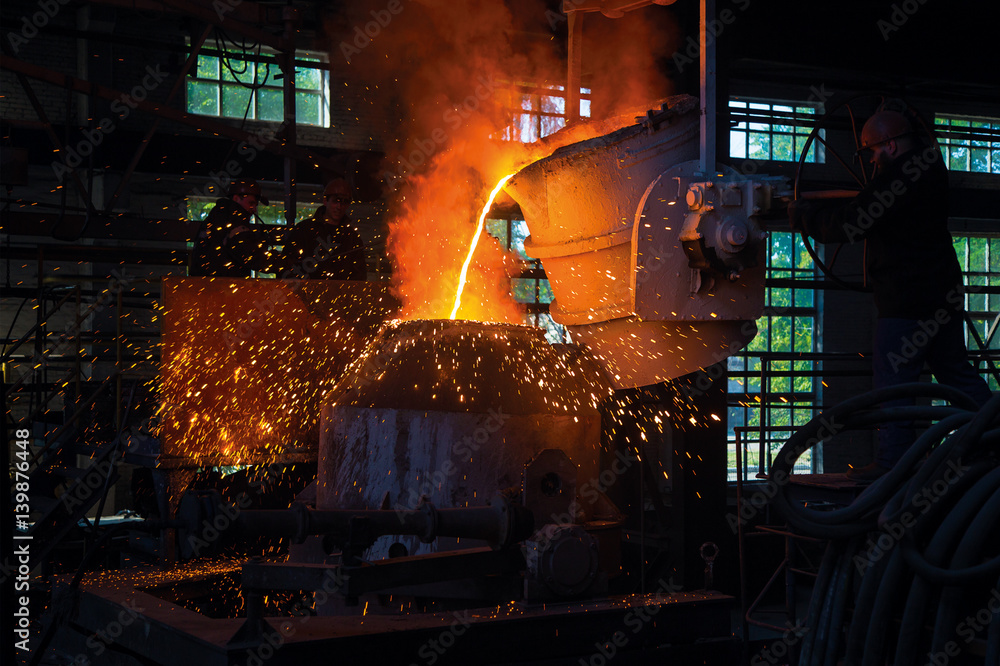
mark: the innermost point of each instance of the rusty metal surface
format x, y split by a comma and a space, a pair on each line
452, 411
163, 632
246, 362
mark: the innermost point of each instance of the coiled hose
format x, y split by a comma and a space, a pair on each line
911, 571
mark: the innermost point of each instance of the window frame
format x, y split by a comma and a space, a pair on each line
954, 142
800, 117
304, 60
773, 414
530, 119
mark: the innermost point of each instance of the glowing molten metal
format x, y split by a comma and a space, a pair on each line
475, 242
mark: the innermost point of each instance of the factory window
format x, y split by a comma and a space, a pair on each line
773, 384
539, 111
969, 143
774, 131
980, 259
239, 83
530, 288
198, 208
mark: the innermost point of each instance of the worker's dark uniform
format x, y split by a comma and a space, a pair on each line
316, 249
902, 215
217, 255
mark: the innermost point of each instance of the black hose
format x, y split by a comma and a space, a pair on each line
840, 593
993, 636
846, 521
825, 612
951, 528
886, 597
863, 603
937, 490
980, 529
942, 576
826, 569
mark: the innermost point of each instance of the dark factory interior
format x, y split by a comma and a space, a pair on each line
500, 332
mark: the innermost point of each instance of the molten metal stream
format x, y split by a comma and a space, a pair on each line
475, 242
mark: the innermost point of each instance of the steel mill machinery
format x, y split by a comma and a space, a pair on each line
466, 490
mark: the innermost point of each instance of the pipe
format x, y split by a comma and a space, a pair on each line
501, 524
863, 605
967, 553
953, 444
826, 569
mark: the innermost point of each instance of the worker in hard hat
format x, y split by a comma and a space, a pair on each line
227, 245
327, 245
902, 217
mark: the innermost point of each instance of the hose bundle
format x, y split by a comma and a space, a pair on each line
910, 575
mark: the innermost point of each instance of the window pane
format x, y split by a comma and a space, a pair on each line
498, 229
737, 144
269, 104
308, 77
781, 145
760, 146
527, 131
544, 292
202, 97
552, 104
307, 108
235, 100
519, 231
237, 71
524, 289
207, 68
552, 124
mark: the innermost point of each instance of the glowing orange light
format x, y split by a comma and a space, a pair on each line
475, 242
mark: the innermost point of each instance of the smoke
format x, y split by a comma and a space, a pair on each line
455, 73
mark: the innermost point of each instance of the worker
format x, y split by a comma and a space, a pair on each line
327, 245
227, 245
911, 265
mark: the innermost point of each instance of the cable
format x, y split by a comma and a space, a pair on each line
932, 525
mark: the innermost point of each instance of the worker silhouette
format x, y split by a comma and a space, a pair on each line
227, 244
902, 217
327, 245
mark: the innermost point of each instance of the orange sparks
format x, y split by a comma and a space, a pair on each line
475, 242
